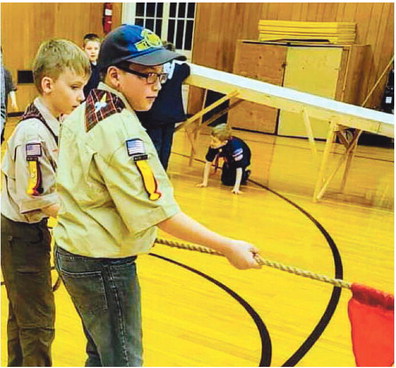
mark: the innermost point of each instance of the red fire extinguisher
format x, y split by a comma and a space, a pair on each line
107, 17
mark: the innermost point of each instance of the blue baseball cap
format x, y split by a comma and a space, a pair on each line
134, 44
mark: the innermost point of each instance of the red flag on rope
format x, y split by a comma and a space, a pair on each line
371, 316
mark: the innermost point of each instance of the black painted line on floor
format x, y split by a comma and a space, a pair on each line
335, 295
266, 346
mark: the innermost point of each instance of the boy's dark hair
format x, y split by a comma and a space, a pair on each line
169, 45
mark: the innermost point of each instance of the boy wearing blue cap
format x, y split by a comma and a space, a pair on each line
114, 194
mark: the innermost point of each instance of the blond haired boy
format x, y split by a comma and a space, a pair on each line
60, 71
236, 154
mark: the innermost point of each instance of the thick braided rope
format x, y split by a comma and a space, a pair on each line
261, 261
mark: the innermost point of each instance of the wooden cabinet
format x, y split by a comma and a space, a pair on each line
332, 71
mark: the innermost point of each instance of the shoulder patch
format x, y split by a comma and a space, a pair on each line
100, 105
33, 151
238, 154
136, 149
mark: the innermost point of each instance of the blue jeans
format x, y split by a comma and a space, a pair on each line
106, 294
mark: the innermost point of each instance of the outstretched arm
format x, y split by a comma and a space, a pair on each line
205, 175
238, 179
239, 253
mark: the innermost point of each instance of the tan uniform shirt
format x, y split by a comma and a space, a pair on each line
16, 203
105, 162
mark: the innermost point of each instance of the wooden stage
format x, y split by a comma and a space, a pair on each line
199, 311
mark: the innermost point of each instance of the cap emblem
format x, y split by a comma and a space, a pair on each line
150, 39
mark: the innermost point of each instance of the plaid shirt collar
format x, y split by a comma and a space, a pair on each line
105, 87
101, 103
38, 110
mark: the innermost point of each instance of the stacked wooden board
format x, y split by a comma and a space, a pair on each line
328, 32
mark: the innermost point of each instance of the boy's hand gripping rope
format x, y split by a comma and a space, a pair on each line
261, 261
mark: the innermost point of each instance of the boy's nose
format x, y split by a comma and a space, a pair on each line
81, 96
157, 85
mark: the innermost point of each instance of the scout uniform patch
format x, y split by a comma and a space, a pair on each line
35, 184
136, 150
33, 152
100, 105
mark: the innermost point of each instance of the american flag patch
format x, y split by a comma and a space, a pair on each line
33, 150
135, 148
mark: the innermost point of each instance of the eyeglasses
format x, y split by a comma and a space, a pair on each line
151, 77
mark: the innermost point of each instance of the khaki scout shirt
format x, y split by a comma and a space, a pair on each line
16, 203
105, 209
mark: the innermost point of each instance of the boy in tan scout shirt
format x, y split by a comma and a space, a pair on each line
60, 70
114, 194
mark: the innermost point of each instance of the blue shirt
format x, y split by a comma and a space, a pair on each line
93, 80
236, 153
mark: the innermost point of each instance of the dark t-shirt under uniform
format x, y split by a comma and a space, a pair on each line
93, 80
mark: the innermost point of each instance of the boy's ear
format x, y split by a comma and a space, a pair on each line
47, 84
113, 72
113, 76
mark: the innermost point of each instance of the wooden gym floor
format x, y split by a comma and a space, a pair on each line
199, 311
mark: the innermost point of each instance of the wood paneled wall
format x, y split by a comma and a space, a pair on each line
25, 25
219, 25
